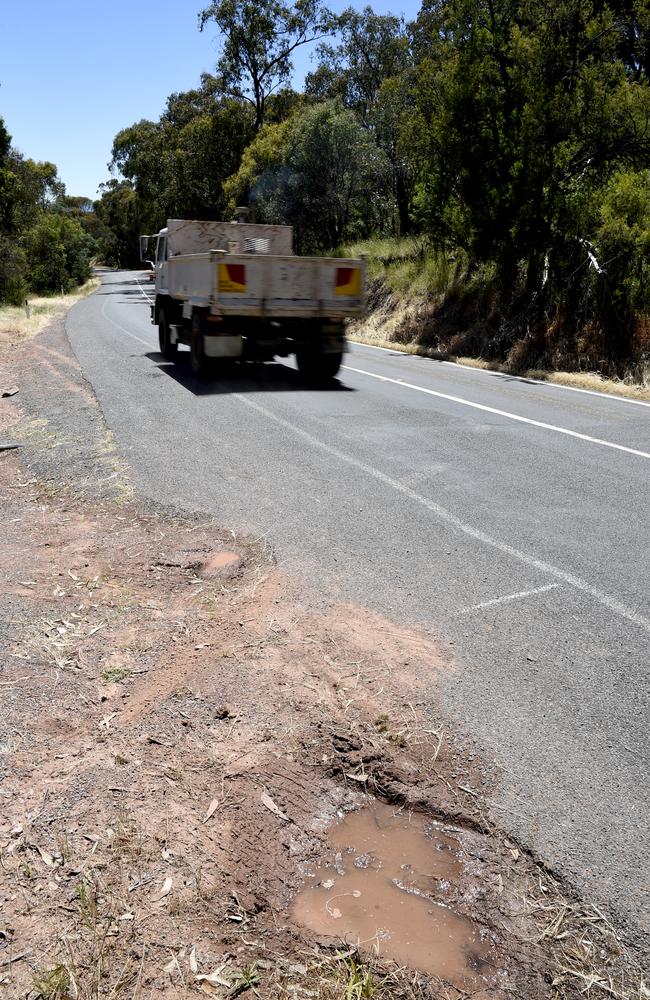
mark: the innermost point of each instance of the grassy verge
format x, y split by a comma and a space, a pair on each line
591, 381
16, 325
410, 286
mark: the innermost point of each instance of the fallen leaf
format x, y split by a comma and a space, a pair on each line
194, 965
211, 809
170, 966
271, 806
214, 978
46, 858
357, 777
166, 889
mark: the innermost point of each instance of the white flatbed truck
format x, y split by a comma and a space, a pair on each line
235, 290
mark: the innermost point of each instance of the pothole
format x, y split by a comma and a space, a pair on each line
388, 888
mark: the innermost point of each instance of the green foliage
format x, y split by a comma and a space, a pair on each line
8, 181
261, 162
523, 114
259, 38
175, 167
59, 253
356, 978
623, 238
118, 210
368, 70
320, 172
53, 984
13, 272
508, 141
412, 266
370, 49
43, 246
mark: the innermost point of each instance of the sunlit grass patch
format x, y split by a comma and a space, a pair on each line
21, 322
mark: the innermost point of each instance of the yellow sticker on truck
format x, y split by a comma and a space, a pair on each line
348, 281
232, 278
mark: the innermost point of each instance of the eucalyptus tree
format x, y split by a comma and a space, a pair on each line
258, 39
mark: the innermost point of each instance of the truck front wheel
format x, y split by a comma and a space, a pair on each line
315, 366
199, 362
167, 349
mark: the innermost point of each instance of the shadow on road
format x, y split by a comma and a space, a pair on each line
117, 288
241, 377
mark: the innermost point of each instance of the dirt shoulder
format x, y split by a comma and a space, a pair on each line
179, 727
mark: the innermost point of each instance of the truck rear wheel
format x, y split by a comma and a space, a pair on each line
199, 363
167, 349
315, 366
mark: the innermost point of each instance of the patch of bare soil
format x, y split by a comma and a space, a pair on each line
181, 736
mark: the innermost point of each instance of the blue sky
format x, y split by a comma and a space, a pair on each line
73, 74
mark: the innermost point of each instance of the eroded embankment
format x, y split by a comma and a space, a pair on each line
471, 330
182, 739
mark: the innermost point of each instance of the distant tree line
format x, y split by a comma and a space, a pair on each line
514, 136
511, 136
47, 238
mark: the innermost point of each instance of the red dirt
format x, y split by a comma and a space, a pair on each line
178, 729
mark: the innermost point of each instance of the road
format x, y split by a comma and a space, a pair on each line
508, 518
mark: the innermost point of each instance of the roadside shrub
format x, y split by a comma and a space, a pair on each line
13, 272
624, 238
58, 254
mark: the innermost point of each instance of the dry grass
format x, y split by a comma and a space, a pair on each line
377, 334
588, 957
15, 325
347, 976
591, 381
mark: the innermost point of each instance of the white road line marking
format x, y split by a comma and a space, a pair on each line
500, 413
510, 597
448, 518
609, 396
127, 332
143, 291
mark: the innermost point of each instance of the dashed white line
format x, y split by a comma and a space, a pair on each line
611, 603
520, 596
500, 413
124, 330
143, 291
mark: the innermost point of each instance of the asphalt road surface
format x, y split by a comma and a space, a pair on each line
506, 517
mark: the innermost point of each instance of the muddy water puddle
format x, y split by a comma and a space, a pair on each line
386, 889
